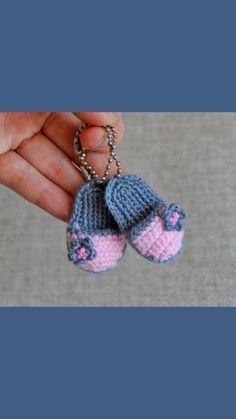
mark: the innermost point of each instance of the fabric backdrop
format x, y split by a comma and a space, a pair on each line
186, 157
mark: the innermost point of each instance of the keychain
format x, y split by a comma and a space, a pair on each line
108, 214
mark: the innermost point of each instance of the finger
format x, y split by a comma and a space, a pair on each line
18, 175
95, 138
61, 128
16, 126
52, 162
99, 118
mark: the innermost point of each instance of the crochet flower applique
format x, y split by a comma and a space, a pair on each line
80, 251
173, 218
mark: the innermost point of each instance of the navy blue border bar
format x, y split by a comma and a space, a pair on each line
132, 56
117, 363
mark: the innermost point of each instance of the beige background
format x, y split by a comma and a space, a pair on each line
188, 158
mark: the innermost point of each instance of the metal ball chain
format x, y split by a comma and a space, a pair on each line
88, 172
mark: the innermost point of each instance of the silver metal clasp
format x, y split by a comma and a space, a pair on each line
85, 173
77, 146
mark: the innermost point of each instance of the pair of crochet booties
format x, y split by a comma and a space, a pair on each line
124, 209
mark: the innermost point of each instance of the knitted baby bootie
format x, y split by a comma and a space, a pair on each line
94, 242
152, 227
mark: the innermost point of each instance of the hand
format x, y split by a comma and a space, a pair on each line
36, 150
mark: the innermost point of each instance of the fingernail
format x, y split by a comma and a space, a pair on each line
101, 136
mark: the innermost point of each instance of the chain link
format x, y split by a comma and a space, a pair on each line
88, 172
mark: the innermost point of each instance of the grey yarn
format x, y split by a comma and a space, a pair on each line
132, 203
91, 212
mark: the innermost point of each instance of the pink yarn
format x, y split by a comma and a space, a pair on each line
174, 218
82, 253
109, 250
158, 243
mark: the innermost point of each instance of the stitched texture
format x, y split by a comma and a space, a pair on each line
131, 200
152, 227
94, 241
91, 212
158, 244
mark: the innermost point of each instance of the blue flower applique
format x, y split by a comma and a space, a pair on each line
174, 218
80, 251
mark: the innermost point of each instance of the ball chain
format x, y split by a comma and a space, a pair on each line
88, 172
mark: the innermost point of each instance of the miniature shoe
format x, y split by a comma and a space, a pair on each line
152, 227
94, 242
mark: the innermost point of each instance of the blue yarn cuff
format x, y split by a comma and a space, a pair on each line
91, 213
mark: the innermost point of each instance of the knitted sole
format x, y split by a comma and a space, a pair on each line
94, 241
152, 227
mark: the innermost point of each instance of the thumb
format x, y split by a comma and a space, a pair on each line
95, 137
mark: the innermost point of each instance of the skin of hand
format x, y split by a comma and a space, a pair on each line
36, 154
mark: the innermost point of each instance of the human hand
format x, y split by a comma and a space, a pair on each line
36, 151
